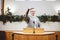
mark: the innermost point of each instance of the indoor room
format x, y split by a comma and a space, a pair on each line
29, 19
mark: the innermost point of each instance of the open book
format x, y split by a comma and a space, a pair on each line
33, 30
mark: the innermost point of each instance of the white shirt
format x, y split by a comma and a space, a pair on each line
33, 22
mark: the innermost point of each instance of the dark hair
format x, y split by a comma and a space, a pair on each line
31, 8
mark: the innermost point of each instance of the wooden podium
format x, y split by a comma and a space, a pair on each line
28, 30
39, 30
28, 34
33, 30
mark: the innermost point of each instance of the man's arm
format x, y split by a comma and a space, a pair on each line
26, 16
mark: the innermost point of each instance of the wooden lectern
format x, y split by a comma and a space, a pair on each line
33, 30
28, 30
39, 30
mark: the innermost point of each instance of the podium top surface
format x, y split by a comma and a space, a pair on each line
45, 33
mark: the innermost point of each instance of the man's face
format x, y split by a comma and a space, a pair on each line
32, 12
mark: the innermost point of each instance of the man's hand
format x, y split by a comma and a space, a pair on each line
27, 12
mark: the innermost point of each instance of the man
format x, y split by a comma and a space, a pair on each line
32, 20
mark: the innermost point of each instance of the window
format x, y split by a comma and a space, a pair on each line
19, 0
50, 0
35, 0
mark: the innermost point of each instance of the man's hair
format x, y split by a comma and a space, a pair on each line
31, 8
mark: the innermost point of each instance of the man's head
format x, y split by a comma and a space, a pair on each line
32, 11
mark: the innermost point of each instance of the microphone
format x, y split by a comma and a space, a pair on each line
33, 22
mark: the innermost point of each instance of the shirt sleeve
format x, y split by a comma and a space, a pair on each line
26, 16
27, 19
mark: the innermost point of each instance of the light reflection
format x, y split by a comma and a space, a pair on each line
19, 0
35, 0
50, 0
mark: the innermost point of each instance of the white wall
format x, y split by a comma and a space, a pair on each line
19, 8
13, 26
48, 26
